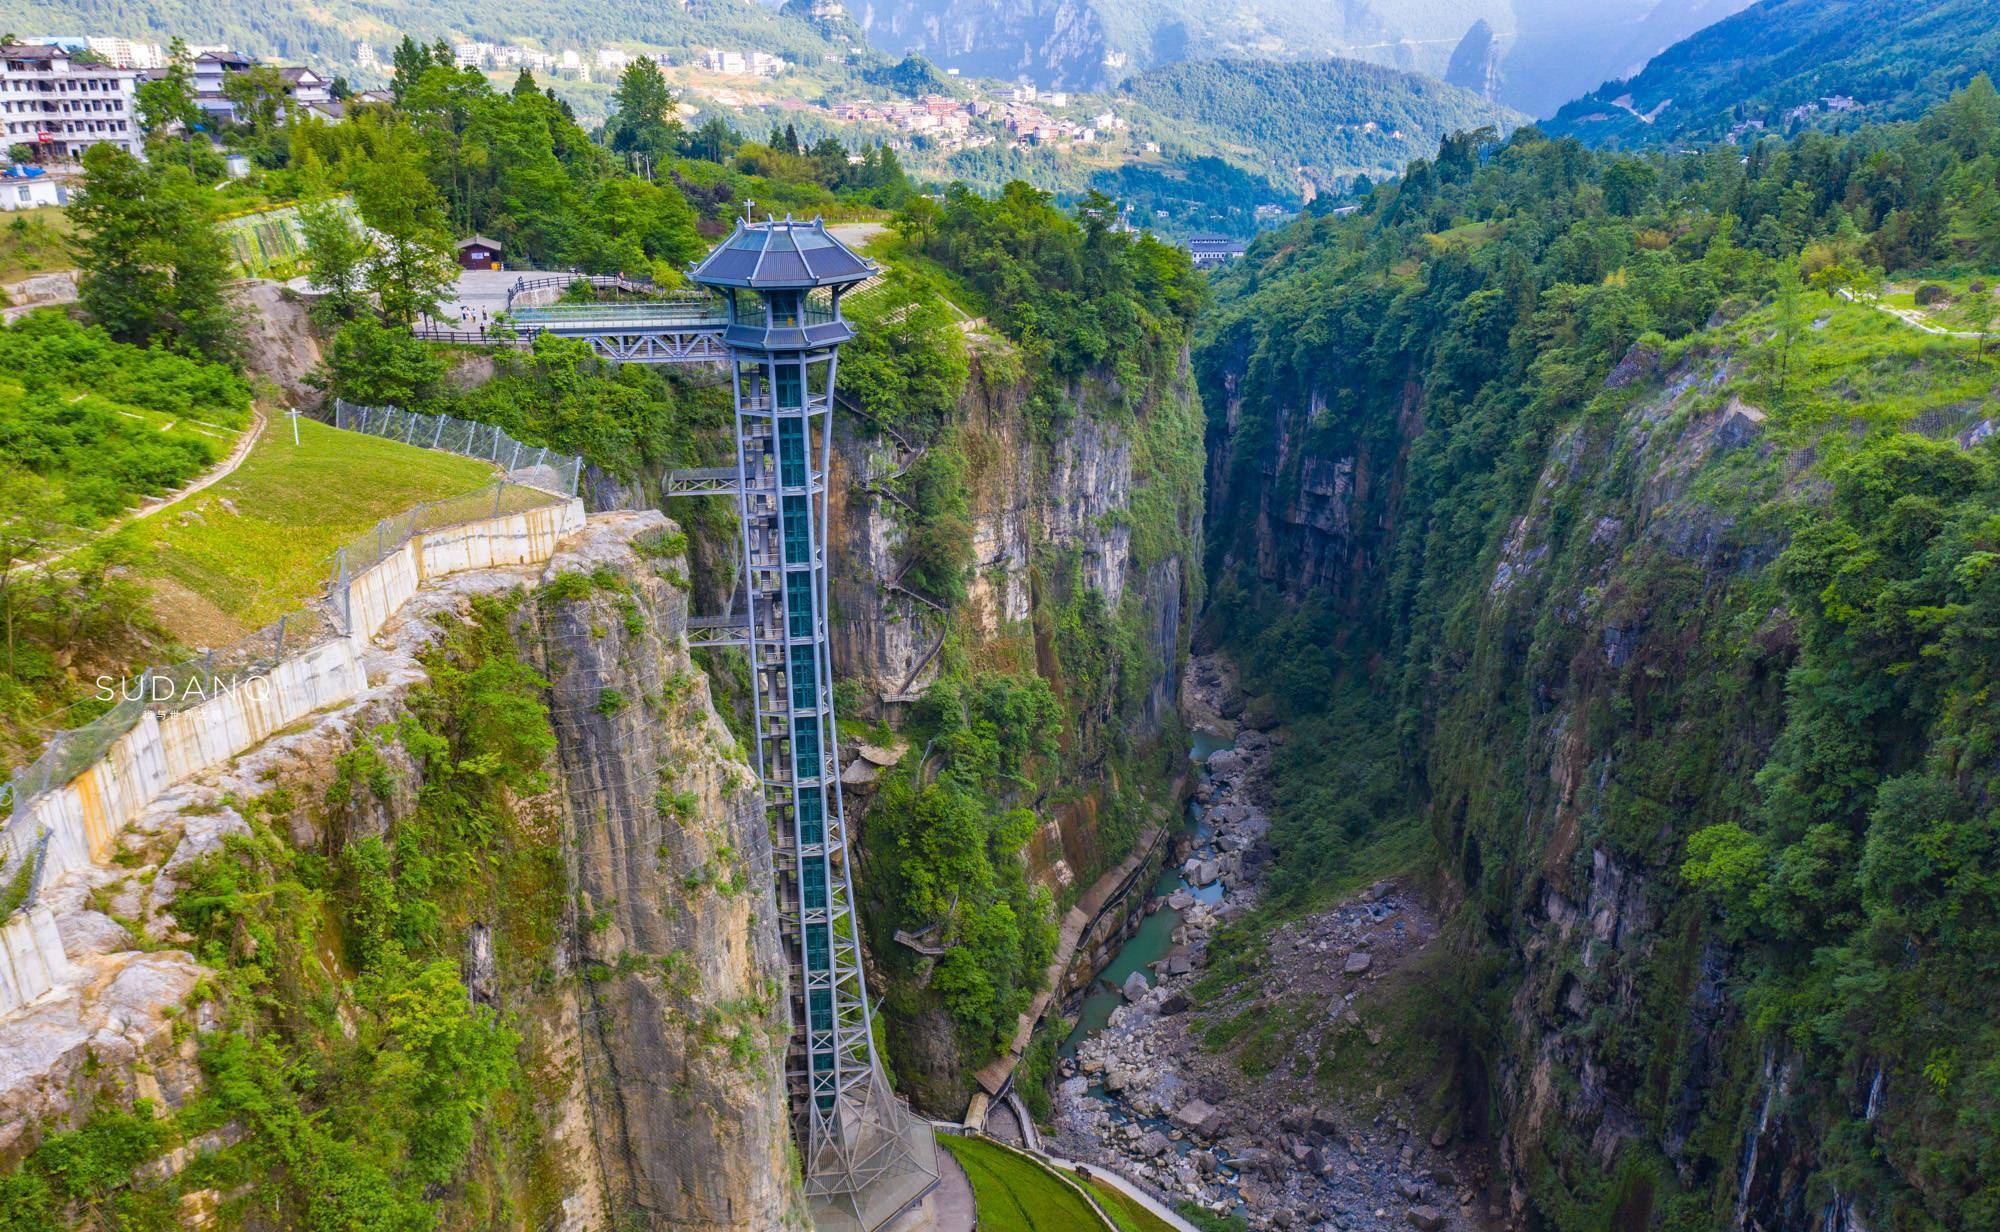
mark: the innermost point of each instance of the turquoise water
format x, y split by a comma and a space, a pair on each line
1207, 742
1156, 931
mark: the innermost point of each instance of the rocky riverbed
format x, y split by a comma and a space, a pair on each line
1146, 1096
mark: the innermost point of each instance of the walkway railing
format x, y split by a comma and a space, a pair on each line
526, 288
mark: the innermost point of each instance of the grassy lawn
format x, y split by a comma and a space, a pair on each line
35, 242
1016, 1194
1125, 1212
252, 548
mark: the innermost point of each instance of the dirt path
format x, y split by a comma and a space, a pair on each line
208, 478
1910, 317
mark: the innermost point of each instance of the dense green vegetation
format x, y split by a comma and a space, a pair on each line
1328, 121
88, 428
374, 1094
1074, 294
1772, 667
1894, 60
945, 840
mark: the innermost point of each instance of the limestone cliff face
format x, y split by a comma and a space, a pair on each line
1051, 517
682, 1004
1306, 501
645, 979
1095, 522
1613, 682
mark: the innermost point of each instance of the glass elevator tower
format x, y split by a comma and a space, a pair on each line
865, 1157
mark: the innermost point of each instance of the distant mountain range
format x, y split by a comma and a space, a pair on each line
1529, 54
325, 31
1778, 63
1316, 124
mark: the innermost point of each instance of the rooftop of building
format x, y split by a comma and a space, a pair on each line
782, 253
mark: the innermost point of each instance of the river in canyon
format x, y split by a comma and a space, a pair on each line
1143, 1087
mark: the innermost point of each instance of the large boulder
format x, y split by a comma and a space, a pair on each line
1198, 1116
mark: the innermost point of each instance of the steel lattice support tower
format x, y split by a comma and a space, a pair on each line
865, 1157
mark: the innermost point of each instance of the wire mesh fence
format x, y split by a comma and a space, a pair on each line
529, 464
494, 500
173, 687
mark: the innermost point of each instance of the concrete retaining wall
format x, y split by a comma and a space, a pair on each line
85, 816
31, 957
511, 539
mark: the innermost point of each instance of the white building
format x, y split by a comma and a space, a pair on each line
210, 69
25, 188
612, 61
61, 108
125, 53
742, 63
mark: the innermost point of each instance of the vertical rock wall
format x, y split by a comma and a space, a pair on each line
682, 1003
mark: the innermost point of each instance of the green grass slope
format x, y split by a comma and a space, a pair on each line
257, 545
1013, 1193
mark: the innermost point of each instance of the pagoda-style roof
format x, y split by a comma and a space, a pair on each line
782, 254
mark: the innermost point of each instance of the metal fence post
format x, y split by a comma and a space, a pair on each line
439, 434
516, 459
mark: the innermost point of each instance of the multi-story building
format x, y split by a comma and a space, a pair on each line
211, 68
59, 108
304, 89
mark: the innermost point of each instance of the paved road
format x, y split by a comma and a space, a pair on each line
953, 1196
481, 292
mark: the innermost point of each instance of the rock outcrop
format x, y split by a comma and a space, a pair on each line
656, 1011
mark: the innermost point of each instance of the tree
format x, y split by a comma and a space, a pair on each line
1978, 313
166, 103
417, 262
1791, 320
715, 141
378, 365
410, 58
918, 221
643, 121
154, 266
258, 93
339, 253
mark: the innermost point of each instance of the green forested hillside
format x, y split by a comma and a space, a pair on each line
1895, 58
1325, 122
326, 33
1605, 538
